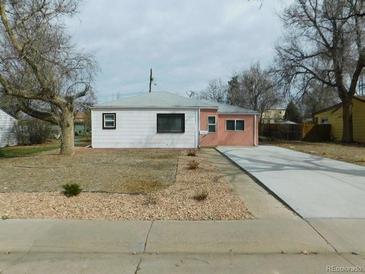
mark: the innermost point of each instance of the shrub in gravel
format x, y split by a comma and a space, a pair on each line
150, 200
70, 190
193, 164
191, 152
201, 196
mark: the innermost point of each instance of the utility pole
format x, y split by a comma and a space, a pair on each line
151, 80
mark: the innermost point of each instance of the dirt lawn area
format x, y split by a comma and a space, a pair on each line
118, 171
349, 153
118, 185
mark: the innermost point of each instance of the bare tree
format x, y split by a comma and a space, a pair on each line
317, 97
253, 89
216, 91
38, 64
324, 43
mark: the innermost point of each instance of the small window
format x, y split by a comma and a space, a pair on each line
235, 125
240, 125
324, 121
212, 125
170, 123
230, 125
109, 121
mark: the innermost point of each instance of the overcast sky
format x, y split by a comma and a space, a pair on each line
186, 42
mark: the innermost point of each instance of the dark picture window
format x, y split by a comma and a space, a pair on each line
235, 125
170, 123
212, 124
109, 121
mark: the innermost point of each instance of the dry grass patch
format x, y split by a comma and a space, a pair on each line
348, 153
114, 171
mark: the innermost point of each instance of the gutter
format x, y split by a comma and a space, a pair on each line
149, 107
254, 130
198, 133
238, 113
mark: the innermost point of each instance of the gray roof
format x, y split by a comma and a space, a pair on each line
7, 113
170, 100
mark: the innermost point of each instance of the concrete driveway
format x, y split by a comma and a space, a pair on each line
315, 187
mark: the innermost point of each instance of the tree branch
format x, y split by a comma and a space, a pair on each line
42, 115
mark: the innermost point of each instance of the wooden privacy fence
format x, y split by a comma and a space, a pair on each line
307, 132
316, 133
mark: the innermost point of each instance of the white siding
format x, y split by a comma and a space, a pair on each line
138, 129
7, 136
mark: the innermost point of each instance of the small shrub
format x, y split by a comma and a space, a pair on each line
191, 152
193, 164
32, 131
150, 200
4, 217
201, 196
70, 190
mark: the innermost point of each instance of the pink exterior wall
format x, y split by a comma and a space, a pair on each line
224, 137
211, 139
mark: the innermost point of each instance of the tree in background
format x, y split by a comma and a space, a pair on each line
324, 43
234, 90
316, 98
292, 113
38, 64
216, 91
253, 89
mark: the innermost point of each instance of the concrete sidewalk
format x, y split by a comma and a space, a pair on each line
255, 236
257, 246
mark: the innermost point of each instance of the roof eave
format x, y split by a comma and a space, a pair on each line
239, 113
146, 107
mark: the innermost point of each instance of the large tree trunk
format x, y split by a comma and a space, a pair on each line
347, 132
67, 133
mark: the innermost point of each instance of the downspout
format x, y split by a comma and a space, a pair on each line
198, 135
255, 130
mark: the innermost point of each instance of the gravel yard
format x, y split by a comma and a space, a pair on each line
169, 197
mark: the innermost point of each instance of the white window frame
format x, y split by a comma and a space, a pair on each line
210, 124
109, 120
235, 125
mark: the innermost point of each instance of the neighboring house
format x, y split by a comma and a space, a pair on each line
273, 116
333, 116
167, 120
7, 134
81, 124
